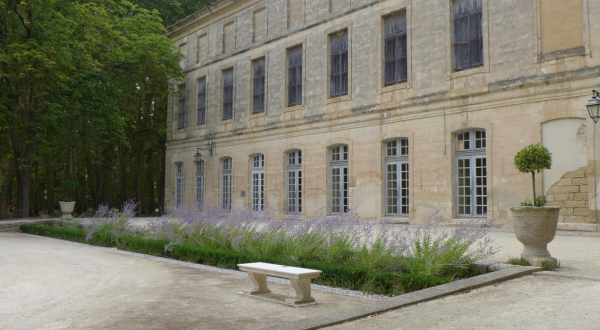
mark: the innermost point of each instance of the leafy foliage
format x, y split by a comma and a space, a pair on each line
533, 158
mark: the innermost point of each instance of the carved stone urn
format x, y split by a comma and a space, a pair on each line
66, 208
535, 227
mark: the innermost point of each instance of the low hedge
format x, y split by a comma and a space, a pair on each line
71, 234
332, 274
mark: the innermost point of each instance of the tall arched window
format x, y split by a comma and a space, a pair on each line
396, 177
226, 169
471, 173
200, 183
294, 181
258, 182
338, 178
178, 184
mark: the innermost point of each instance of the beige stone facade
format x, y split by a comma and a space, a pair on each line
535, 79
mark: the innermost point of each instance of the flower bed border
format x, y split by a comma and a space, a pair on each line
333, 274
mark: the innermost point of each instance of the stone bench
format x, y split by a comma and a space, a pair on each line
299, 278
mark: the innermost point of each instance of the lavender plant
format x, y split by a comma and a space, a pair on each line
342, 239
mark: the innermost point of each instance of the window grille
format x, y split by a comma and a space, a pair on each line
201, 101
339, 179
395, 49
179, 185
181, 108
294, 184
258, 182
471, 173
200, 183
295, 76
227, 94
397, 177
339, 64
258, 92
226, 183
468, 34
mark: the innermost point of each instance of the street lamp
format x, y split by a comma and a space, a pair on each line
593, 106
198, 154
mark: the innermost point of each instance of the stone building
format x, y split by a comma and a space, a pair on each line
397, 108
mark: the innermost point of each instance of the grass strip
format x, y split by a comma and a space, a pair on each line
332, 274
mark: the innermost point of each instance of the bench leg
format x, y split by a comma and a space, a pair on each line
302, 288
260, 283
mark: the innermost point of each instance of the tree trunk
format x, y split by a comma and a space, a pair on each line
122, 174
7, 171
161, 183
23, 184
533, 176
50, 189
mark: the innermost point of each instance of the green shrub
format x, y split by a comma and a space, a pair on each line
332, 274
550, 265
531, 159
71, 234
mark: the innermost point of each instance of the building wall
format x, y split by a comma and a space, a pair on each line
520, 86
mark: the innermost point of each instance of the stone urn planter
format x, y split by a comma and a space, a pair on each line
66, 208
535, 227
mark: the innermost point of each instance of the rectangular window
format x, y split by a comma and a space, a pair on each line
179, 185
294, 169
201, 101
294, 76
181, 108
339, 179
258, 183
395, 49
227, 94
258, 90
468, 34
397, 177
471, 173
226, 184
200, 184
339, 64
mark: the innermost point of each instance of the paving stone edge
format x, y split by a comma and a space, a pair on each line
412, 298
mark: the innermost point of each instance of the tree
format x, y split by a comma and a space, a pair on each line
533, 158
67, 67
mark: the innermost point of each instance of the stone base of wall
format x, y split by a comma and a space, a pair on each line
571, 194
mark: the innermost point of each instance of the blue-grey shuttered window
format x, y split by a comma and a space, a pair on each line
395, 49
339, 64
181, 108
468, 34
295, 76
258, 91
227, 94
201, 101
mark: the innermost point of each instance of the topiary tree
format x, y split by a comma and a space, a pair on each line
67, 186
533, 158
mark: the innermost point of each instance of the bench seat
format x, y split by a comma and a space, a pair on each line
299, 279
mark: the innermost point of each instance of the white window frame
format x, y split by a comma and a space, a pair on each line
397, 200
257, 187
294, 182
226, 183
178, 184
200, 184
339, 197
471, 179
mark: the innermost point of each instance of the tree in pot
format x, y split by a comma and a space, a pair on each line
535, 224
67, 205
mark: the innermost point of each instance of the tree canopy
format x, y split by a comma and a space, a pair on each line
83, 94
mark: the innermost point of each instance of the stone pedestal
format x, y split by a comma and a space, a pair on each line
535, 227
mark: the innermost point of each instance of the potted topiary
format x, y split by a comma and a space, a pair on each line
67, 205
535, 223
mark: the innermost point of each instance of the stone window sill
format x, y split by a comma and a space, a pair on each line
469, 72
579, 51
338, 99
294, 108
396, 87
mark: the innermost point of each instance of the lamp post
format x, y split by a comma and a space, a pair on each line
593, 106
198, 154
